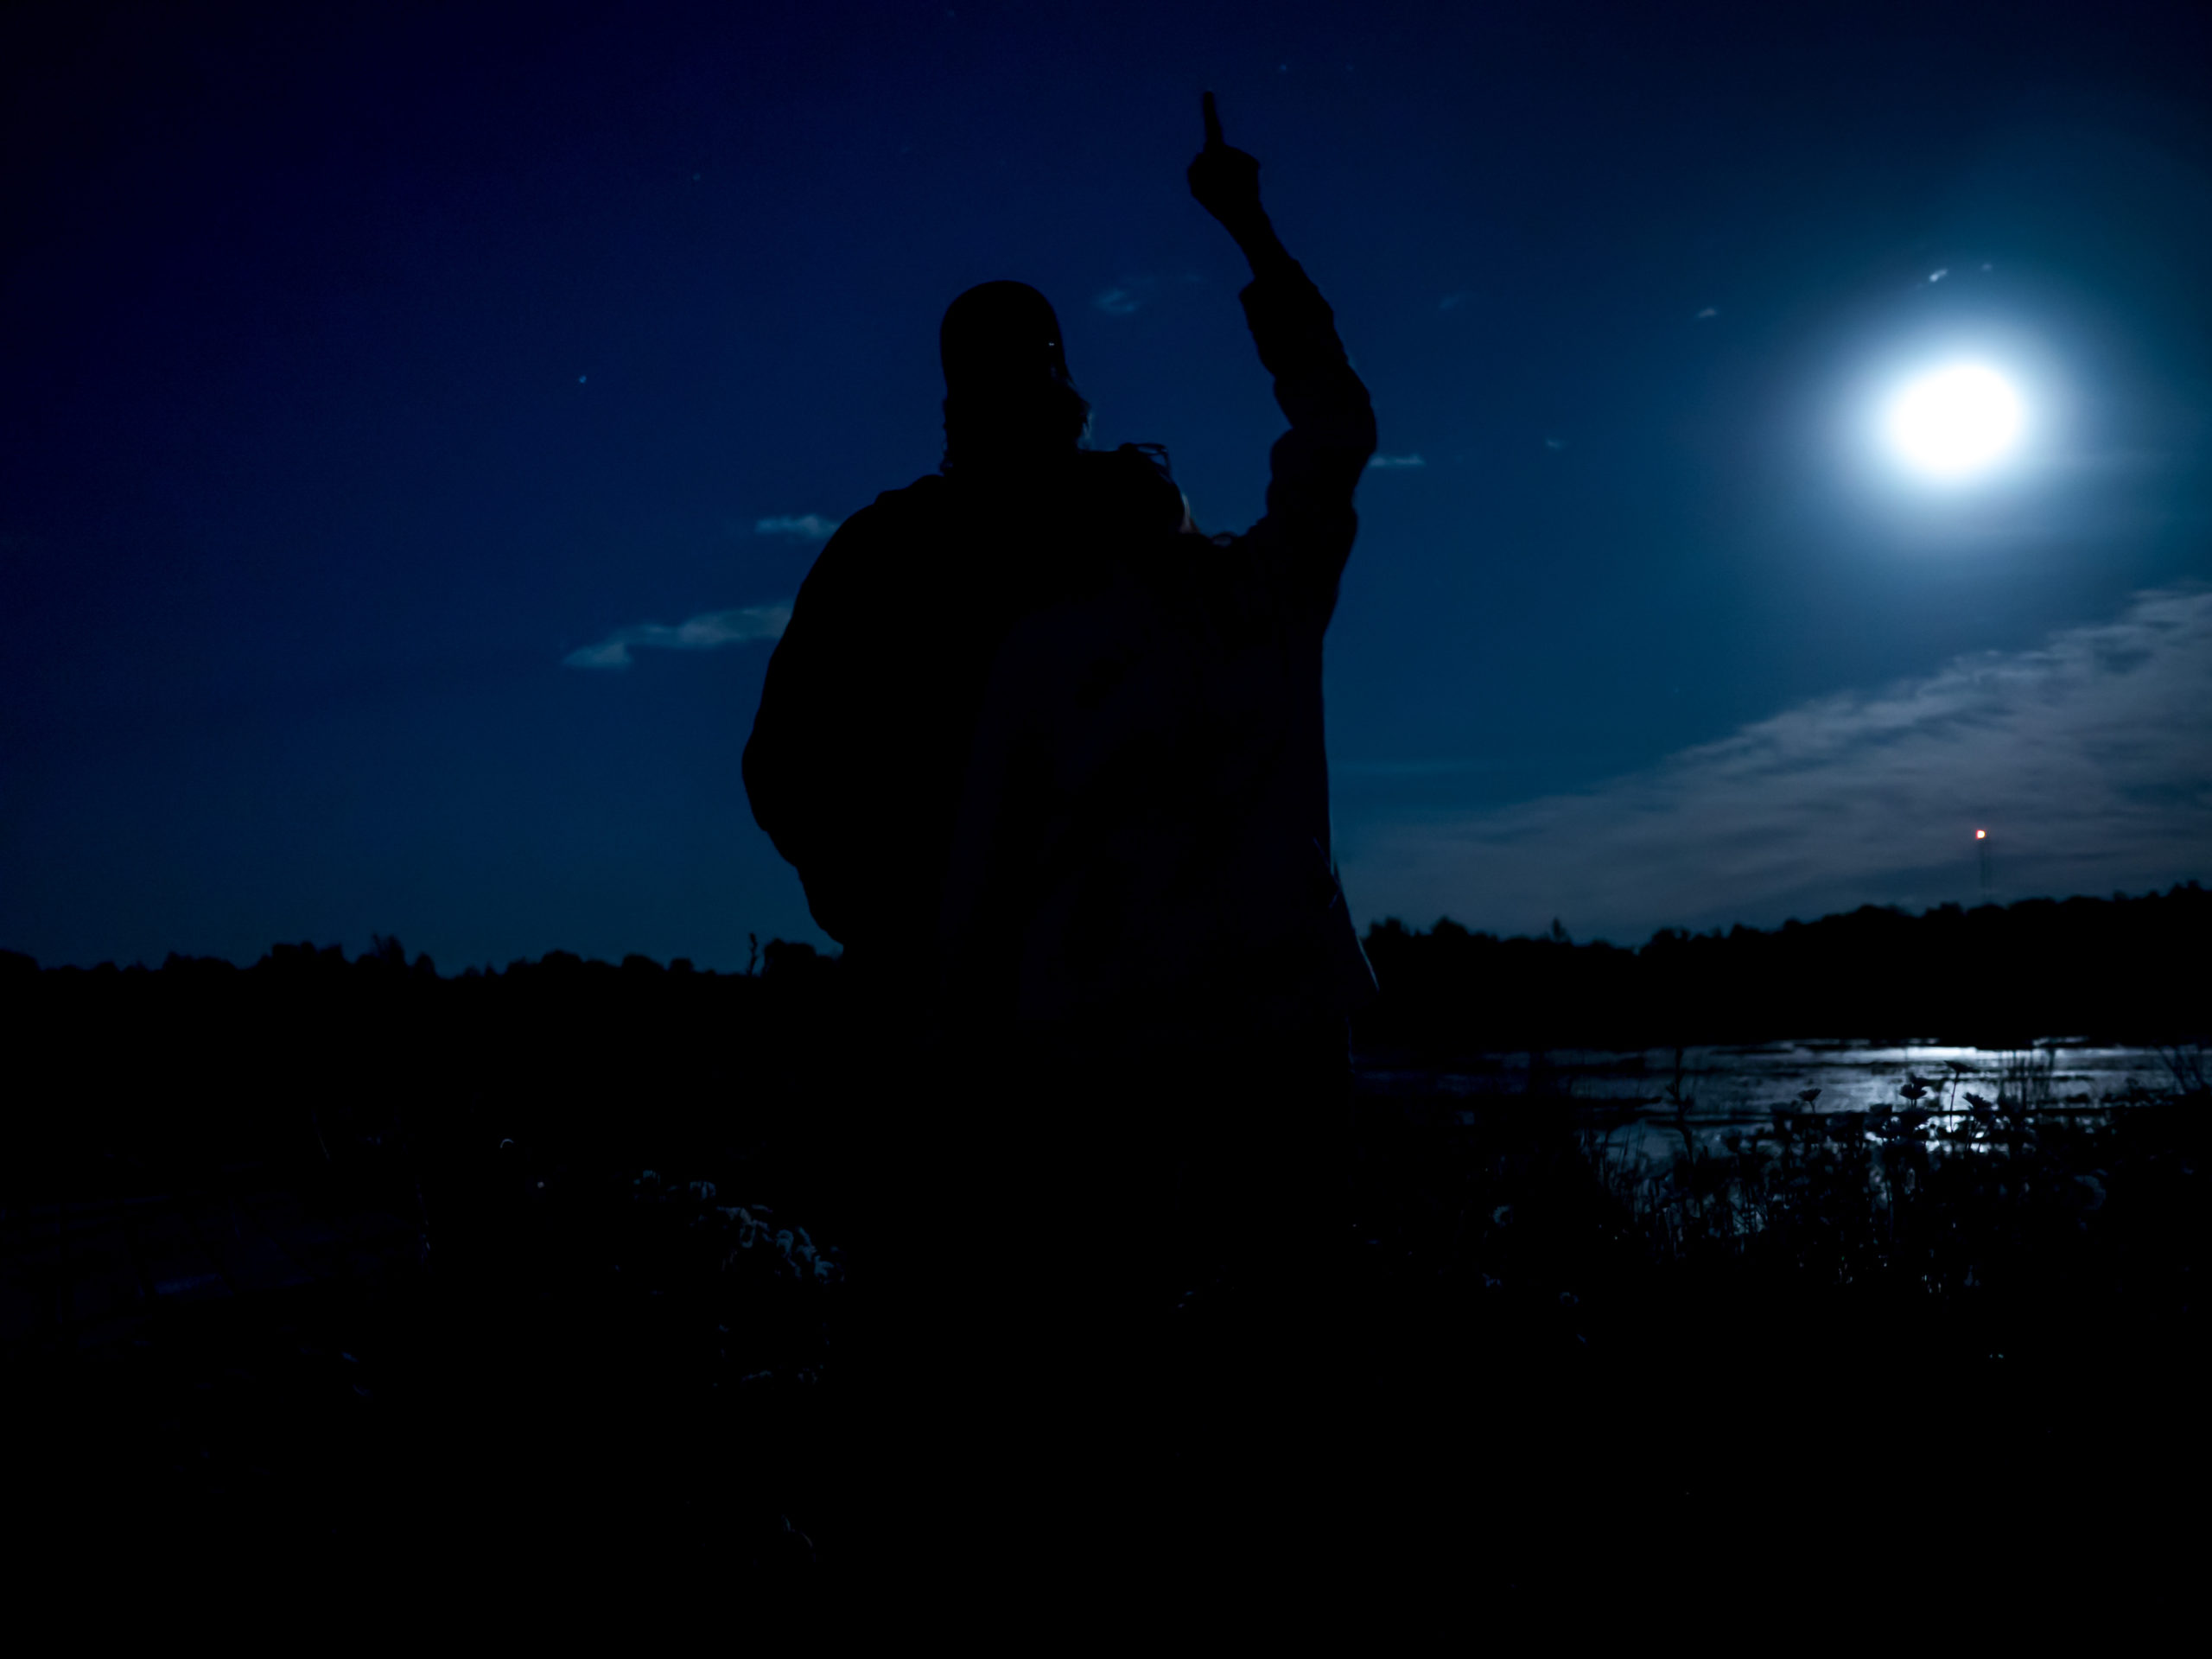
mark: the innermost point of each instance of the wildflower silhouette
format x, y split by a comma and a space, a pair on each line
1959, 1069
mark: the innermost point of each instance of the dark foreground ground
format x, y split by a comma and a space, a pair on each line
1827, 1367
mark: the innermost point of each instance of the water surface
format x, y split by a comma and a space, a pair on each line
1741, 1089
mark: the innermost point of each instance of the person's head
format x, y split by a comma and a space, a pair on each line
1007, 396
1010, 409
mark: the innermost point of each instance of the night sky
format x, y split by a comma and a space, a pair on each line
385, 388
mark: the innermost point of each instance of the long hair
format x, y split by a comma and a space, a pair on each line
1152, 483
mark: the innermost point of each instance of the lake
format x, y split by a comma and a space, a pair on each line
1733, 1089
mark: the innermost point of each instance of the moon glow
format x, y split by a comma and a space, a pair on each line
1957, 421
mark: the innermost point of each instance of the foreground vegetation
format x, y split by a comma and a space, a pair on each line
640, 1329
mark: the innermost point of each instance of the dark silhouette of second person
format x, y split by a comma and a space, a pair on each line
1140, 911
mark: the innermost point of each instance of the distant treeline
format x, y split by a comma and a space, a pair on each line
2124, 969
306, 1054
663, 1059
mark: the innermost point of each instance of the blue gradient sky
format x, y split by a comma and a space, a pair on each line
364, 364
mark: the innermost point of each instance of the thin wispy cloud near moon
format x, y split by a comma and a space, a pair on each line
702, 633
2088, 760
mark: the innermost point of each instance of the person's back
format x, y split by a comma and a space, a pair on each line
859, 751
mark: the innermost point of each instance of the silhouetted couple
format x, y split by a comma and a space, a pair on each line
1049, 762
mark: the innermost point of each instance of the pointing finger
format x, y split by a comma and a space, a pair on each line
1213, 124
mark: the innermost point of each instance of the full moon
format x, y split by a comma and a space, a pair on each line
1957, 421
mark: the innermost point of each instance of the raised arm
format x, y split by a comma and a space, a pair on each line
1226, 183
1307, 533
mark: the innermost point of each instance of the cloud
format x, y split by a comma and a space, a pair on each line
1455, 299
1709, 311
1396, 461
2088, 760
702, 633
810, 527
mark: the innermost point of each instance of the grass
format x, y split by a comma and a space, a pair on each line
1951, 1314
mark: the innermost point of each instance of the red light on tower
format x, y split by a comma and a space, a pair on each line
1982, 835
1981, 858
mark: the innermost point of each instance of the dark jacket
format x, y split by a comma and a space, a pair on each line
1142, 861
857, 755
859, 759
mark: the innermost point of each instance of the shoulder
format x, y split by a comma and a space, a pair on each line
895, 509
871, 533
926, 496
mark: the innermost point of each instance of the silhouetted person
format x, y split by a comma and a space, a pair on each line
1142, 912
1141, 963
858, 752
1049, 763
1142, 863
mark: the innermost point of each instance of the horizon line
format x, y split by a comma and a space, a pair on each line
10, 957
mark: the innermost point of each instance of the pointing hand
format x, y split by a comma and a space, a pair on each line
1226, 181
